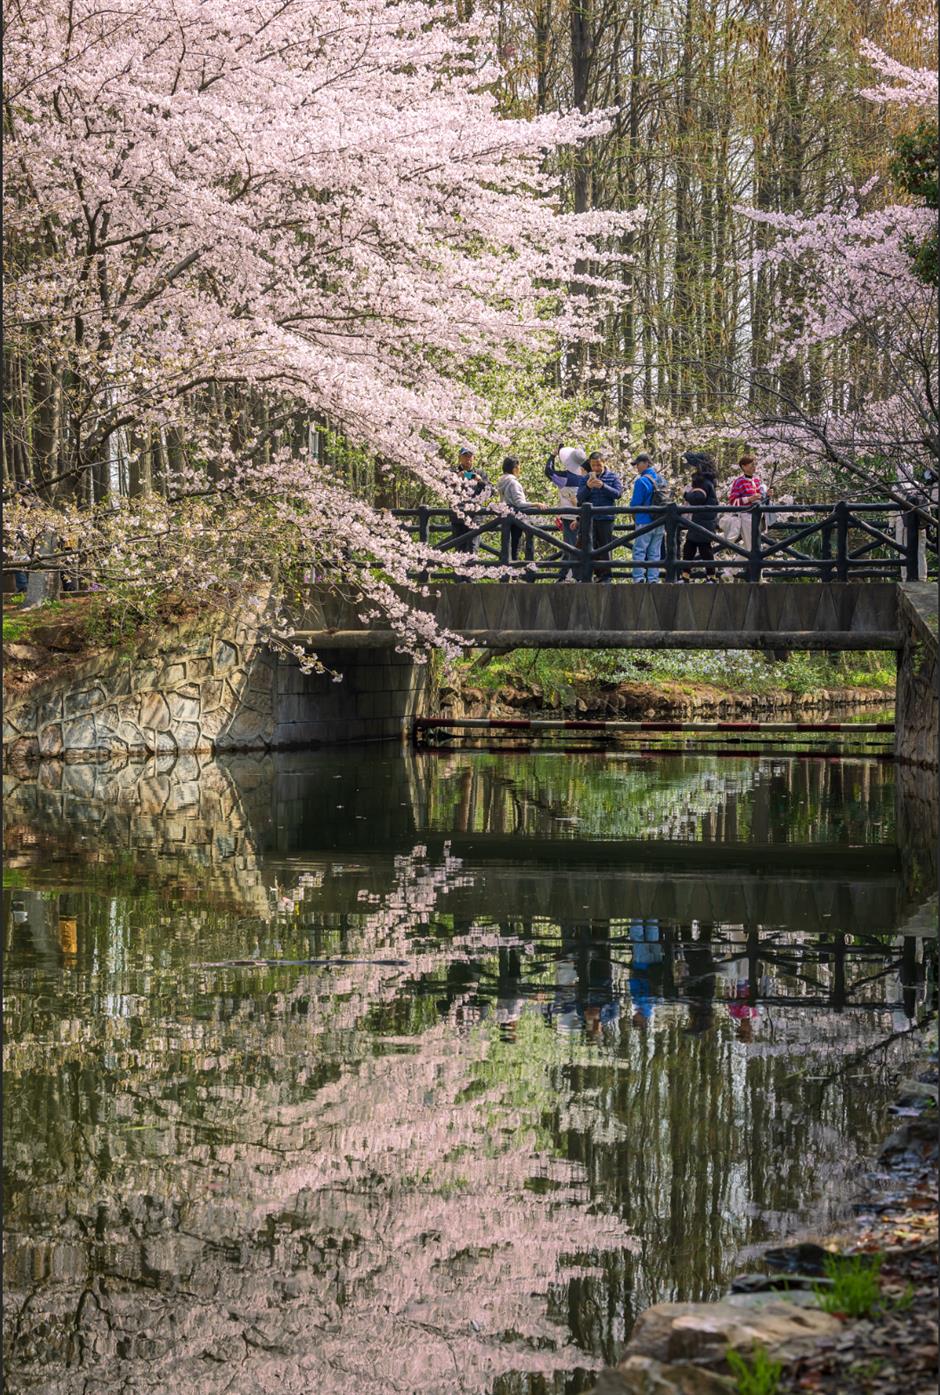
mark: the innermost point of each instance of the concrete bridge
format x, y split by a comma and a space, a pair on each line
384, 691
507, 615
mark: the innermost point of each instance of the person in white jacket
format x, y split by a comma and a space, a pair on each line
511, 493
567, 471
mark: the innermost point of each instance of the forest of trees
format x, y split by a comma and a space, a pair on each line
721, 104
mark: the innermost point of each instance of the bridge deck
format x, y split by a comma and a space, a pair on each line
740, 615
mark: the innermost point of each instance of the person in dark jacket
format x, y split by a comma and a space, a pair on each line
601, 489
477, 486
700, 493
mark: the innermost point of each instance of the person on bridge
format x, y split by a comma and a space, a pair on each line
700, 495
648, 493
511, 493
476, 484
747, 489
601, 489
567, 471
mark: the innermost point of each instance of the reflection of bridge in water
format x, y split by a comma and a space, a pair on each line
771, 844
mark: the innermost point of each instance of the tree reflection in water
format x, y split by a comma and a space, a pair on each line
463, 1158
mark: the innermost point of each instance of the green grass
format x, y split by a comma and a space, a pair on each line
856, 1286
18, 627
757, 1374
560, 674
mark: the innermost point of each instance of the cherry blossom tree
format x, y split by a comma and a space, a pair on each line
224, 221
864, 320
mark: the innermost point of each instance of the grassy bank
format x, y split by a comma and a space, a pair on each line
46, 641
668, 683
564, 675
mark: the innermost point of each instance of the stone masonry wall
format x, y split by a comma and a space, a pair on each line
917, 707
193, 689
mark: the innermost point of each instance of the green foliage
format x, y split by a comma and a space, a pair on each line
19, 627
855, 1288
915, 162
915, 167
755, 1375
113, 618
560, 674
525, 393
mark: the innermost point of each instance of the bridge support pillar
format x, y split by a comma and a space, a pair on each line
917, 706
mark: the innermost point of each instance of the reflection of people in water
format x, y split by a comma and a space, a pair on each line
584, 980
646, 969
742, 1011
700, 984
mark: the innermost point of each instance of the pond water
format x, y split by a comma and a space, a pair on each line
393, 1072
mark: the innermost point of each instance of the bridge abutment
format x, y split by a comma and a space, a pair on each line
917, 704
380, 692
214, 688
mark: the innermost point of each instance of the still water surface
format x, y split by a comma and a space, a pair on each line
400, 1073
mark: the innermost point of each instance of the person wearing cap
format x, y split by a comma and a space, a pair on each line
567, 471
476, 483
648, 546
601, 489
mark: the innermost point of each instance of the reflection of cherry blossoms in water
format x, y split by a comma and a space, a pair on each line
306, 1206
420, 1179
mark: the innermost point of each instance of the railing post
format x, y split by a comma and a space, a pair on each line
672, 542
841, 512
504, 541
586, 532
911, 545
753, 561
528, 544
825, 551
424, 534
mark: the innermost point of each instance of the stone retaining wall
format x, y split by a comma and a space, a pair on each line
193, 689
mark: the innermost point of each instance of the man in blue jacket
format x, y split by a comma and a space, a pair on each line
601, 489
648, 546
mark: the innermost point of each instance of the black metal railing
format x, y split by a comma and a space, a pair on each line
767, 542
